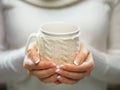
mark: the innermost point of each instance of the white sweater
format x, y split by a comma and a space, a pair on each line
101, 36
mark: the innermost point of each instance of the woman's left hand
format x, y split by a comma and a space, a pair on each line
82, 67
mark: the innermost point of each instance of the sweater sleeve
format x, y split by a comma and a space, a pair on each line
10, 61
11, 65
107, 65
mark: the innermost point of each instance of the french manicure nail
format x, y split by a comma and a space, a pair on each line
58, 77
61, 66
36, 60
53, 65
76, 62
57, 70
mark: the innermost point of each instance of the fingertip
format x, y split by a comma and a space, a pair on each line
57, 70
58, 82
35, 60
76, 62
54, 65
59, 77
60, 66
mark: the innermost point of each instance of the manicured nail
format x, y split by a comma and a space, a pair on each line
57, 70
53, 64
61, 66
58, 77
76, 62
36, 60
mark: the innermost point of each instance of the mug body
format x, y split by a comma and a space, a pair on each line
59, 42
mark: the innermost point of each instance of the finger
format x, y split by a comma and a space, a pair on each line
66, 80
27, 62
43, 73
71, 68
41, 65
81, 57
71, 75
33, 55
86, 66
50, 79
57, 82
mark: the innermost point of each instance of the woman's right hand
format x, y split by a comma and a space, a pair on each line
43, 70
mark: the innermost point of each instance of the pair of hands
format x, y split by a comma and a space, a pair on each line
49, 72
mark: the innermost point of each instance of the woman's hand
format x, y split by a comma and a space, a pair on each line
82, 67
43, 70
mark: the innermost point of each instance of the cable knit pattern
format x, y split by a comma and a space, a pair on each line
59, 49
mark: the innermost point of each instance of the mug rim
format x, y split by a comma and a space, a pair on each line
59, 34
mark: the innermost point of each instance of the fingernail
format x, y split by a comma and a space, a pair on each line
57, 70
76, 62
53, 65
61, 66
36, 60
58, 77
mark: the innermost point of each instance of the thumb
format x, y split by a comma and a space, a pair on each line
34, 56
82, 55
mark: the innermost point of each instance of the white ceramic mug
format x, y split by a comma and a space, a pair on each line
57, 41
